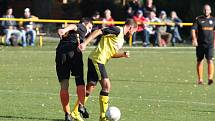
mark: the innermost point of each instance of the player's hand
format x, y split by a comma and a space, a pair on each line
126, 54
195, 43
82, 46
61, 32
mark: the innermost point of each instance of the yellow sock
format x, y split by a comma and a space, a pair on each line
103, 100
75, 110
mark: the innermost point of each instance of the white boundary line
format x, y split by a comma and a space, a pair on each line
119, 98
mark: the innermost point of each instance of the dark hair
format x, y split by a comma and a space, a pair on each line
131, 22
9, 7
96, 13
86, 20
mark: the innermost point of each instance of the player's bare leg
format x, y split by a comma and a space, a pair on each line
64, 96
200, 71
75, 113
210, 71
81, 92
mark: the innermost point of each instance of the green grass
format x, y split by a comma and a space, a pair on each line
151, 85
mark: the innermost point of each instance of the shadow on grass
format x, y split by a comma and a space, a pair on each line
29, 118
204, 111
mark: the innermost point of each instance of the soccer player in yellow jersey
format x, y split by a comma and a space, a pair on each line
111, 41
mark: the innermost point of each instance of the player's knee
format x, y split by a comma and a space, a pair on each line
90, 88
210, 61
106, 86
200, 60
64, 84
91, 83
79, 80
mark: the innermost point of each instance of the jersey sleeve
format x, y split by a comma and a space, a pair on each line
195, 24
111, 30
81, 29
214, 23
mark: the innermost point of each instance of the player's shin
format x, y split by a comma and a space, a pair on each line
210, 69
64, 96
200, 70
75, 110
81, 91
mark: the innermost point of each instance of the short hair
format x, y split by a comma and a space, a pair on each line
9, 7
206, 5
86, 20
107, 10
131, 22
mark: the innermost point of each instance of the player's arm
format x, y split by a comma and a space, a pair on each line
61, 32
194, 37
92, 36
109, 30
193, 34
125, 54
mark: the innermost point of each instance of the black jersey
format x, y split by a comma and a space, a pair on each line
205, 30
72, 38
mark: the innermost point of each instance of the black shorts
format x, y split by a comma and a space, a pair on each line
207, 52
69, 62
96, 72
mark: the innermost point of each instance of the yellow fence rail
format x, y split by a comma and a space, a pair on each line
65, 22
76, 21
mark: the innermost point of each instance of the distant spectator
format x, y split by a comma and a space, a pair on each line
148, 7
162, 30
96, 17
134, 5
129, 13
152, 29
140, 19
174, 28
10, 27
28, 29
107, 18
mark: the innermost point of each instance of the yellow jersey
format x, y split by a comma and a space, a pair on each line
111, 41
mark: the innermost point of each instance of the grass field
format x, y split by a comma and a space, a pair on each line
153, 85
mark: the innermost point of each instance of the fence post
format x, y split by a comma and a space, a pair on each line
65, 24
130, 40
41, 41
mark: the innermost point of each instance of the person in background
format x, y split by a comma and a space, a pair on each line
162, 30
10, 27
129, 13
140, 19
107, 18
148, 7
174, 29
28, 29
152, 29
203, 39
134, 5
96, 17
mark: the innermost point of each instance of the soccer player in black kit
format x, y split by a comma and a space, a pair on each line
69, 61
203, 39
